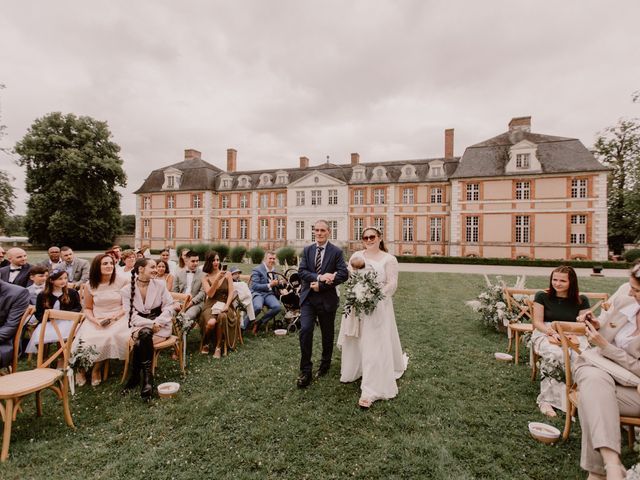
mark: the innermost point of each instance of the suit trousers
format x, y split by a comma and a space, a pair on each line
600, 404
314, 307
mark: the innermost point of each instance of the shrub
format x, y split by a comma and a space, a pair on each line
222, 249
632, 255
509, 261
237, 253
256, 254
288, 255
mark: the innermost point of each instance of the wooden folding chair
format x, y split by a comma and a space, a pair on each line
17, 340
15, 386
524, 309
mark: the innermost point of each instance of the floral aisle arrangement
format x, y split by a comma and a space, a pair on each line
362, 293
492, 306
183, 323
83, 356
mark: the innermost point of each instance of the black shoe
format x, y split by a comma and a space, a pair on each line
322, 371
303, 380
147, 381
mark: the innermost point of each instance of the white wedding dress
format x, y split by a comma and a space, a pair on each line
372, 349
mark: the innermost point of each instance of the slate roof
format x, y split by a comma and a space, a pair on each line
556, 155
196, 175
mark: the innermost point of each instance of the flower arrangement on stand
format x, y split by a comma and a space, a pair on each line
362, 293
491, 304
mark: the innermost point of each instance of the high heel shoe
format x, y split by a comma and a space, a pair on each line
81, 379
217, 353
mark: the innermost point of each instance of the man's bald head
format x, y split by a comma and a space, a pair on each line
17, 256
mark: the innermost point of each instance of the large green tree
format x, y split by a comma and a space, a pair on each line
72, 171
618, 147
7, 193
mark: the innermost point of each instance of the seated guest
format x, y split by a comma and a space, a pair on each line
560, 302
244, 296
3, 261
188, 280
601, 401
105, 329
38, 276
127, 261
264, 285
14, 300
57, 296
77, 268
163, 273
54, 261
165, 255
218, 314
149, 309
17, 272
117, 252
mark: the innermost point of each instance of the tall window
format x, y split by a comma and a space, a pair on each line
578, 219
333, 197
578, 238
522, 228
224, 201
522, 190
197, 201
436, 229
226, 183
224, 229
264, 229
280, 199
171, 200
407, 195
579, 188
196, 228
378, 222
171, 229
280, 228
145, 229
407, 229
316, 197
300, 198
171, 181
473, 192
244, 230
473, 229
358, 225
299, 230
522, 160
436, 195
378, 196
358, 197
264, 200
244, 200
333, 225
146, 203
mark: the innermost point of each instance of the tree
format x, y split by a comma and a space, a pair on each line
128, 224
72, 171
14, 226
618, 147
7, 193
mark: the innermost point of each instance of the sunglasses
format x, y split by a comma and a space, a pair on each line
367, 238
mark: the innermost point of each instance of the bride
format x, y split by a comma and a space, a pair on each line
370, 344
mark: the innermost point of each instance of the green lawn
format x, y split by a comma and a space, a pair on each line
459, 414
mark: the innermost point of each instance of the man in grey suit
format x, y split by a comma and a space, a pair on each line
77, 269
14, 300
189, 280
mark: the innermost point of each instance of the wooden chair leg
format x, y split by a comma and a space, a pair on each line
39, 404
154, 361
105, 372
534, 365
125, 369
65, 402
630, 436
571, 410
517, 342
6, 437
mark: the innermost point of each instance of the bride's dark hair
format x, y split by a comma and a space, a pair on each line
379, 234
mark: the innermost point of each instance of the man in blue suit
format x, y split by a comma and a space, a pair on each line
322, 268
14, 300
263, 289
17, 272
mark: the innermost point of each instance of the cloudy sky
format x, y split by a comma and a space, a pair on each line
282, 79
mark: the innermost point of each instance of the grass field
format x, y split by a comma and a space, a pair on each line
459, 414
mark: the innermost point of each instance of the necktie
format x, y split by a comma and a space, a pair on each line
319, 258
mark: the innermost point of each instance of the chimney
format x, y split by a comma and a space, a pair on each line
191, 154
231, 159
448, 143
304, 162
355, 158
522, 124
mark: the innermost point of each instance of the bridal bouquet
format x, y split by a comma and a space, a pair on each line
362, 293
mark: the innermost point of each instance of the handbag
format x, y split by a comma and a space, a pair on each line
620, 374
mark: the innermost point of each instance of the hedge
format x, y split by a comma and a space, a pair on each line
631, 255
237, 253
509, 261
256, 254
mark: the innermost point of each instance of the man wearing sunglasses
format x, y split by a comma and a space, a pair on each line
322, 268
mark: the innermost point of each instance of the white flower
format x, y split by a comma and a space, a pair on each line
501, 305
360, 291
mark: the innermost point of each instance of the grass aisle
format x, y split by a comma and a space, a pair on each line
459, 415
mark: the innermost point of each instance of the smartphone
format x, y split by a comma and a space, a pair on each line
105, 322
224, 267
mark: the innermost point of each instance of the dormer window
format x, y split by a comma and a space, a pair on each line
265, 179
358, 174
522, 160
522, 157
282, 177
172, 178
408, 172
380, 174
244, 181
226, 182
436, 169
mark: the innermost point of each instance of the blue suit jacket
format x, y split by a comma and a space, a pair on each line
260, 282
333, 262
23, 277
14, 300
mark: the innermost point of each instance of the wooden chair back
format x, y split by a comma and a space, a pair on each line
18, 338
50, 320
601, 299
523, 307
184, 299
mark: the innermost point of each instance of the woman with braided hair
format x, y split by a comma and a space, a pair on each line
150, 312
